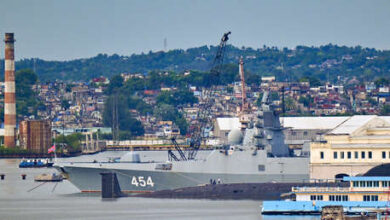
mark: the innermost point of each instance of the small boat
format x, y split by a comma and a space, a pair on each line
34, 163
48, 177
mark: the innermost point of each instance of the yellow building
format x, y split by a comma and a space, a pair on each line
358, 144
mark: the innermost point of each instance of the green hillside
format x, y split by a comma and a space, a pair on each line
326, 62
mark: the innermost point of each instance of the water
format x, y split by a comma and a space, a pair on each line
26, 199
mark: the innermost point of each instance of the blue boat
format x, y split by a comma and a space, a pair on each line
35, 163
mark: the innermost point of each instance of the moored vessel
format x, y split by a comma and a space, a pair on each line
365, 194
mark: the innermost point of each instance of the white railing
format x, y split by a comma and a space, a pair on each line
320, 189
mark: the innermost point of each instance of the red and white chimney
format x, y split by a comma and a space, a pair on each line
9, 94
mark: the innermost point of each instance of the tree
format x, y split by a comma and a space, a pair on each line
116, 82
72, 142
176, 98
306, 100
289, 103
65, 104
385, 110
26, 99
125, 121
167, 112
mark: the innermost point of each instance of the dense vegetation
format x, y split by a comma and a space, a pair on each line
70, 143
127, 96
326, 62
27, 102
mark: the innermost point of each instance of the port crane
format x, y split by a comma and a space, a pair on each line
198, 132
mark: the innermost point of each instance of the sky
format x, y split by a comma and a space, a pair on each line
71, 29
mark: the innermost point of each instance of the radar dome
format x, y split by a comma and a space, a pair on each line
235, 137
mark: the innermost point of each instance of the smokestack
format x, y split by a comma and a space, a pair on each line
9, 95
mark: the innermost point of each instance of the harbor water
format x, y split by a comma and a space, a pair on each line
26, 199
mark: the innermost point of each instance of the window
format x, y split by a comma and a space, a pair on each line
338, 198
356, 155
384, 154
363, 155
362, 183
349, 155
355, 184
342, 154
366, 198
305, 133
322, 155
261, 167
335, 155
369, 183
376, 183
369, 154
384, 184
316, 197
374, 198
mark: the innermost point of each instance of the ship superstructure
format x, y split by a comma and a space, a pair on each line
263, 157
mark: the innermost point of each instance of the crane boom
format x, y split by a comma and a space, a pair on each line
198, 132
218, 60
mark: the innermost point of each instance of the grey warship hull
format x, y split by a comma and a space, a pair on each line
242, 166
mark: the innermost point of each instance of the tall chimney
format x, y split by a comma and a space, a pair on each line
9, 95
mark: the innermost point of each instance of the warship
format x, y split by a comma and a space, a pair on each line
260, 155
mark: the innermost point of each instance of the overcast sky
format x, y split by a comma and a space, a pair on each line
63, 30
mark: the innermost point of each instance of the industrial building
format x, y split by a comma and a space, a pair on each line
35, 135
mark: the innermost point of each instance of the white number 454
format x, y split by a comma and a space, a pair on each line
140, 181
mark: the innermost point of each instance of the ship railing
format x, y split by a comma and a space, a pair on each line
320, 189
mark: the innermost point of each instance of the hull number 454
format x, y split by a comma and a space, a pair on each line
142, 181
